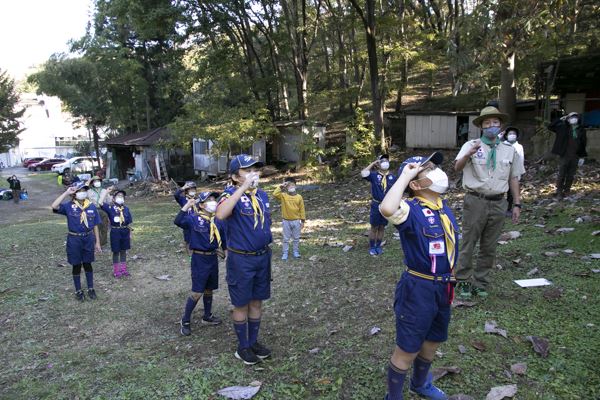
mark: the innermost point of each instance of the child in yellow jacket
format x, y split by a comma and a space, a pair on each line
292, 211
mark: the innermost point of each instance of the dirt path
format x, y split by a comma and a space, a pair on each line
42, 190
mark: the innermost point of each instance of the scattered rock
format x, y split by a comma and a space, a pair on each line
314, 258
347, 248
511, 235
240, 392
552, 293
551, 254
479, 345
374, 330
519, 368
568, 251
462, 349
316, 350
440, 372
164, 277
533, 271
595, 256
565, 230
492, 327
500, 392
540, 345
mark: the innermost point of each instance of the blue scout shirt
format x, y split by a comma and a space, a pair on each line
422, 239
199, 229
114, 215
73, 213
375, 178
180, 197
241, 233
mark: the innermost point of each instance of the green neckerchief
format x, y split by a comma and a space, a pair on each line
491, 160
574, 131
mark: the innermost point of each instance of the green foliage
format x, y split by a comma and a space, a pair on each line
361, 138
10, 126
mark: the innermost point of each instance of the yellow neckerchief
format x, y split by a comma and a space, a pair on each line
121, 215
446, 224
83, 215
384, 179
256, 207
214, 231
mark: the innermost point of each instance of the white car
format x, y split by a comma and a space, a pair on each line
76, 164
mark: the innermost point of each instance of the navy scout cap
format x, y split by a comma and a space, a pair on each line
80, 185
243, 161
190, 184
205, 195
436, 157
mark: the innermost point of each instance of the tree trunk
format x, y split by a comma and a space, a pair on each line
508, 91
96, 140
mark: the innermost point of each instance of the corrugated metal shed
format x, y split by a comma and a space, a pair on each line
436, 130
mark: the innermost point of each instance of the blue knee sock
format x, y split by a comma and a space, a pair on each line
420, 371
77, 282
189, 307
395, 382
89, 277
207, 300
253, 328
371, 243
241, 330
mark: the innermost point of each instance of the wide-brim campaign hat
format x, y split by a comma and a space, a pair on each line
243, 161
202, 197
489, 112
436, 157
95, 178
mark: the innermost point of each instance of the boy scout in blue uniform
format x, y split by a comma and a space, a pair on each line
182, 195
245, 208
119, 218
207, 236
83, 238
381, 181
429, 237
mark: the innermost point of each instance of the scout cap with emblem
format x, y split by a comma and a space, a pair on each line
203, 196
243, 161
436, 157
489, 112
79, 186
190, 184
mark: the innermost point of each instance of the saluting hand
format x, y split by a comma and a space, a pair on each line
70, 190
411, 170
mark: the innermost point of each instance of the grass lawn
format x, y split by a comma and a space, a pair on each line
126, 345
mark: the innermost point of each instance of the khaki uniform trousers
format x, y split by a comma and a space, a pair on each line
482, 223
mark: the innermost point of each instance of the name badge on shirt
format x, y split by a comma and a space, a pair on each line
437, 247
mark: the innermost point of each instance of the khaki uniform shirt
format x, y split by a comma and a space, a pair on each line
477, 177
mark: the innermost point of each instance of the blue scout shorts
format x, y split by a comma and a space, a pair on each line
120, 239
422, 312
80, 249
248, 277
375, 218
205, 272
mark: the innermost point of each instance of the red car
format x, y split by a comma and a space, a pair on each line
46, 164
28, 161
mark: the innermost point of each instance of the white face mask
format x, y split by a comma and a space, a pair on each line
210, 206
292, 189
119, 200
81, 195
384, 165
97, 184
512, 138
192, 193
573, 121
439, 180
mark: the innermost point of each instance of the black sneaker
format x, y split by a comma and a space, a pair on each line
186, 329
261, 351
247, 356
92, 294
211, 320
79, 295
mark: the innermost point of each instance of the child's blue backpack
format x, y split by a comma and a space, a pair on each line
24, 195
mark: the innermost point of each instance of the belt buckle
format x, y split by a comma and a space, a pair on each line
446, 278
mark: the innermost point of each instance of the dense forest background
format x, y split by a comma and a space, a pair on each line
227, 69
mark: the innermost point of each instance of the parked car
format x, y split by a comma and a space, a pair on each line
76, 165
46, 164
32, 160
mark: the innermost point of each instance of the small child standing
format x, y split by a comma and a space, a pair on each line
83, 238
292, 212
120, 232
207, 235
429, 239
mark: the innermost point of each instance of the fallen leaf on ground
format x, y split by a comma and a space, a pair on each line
595, 256
440, 372
314, 351
492, 327
595, 270
552, 294
62, 265
374, 330
478, 345
239, 392
324, 381
164, 277
533, 271
540, 345
511, 235
462, 303
595, 233
462, 349
347, 248
568, 251
519, 368
500, 392
565, 230
313, 258
551, 254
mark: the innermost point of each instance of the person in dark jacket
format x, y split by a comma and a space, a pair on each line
569, 145
15, 185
